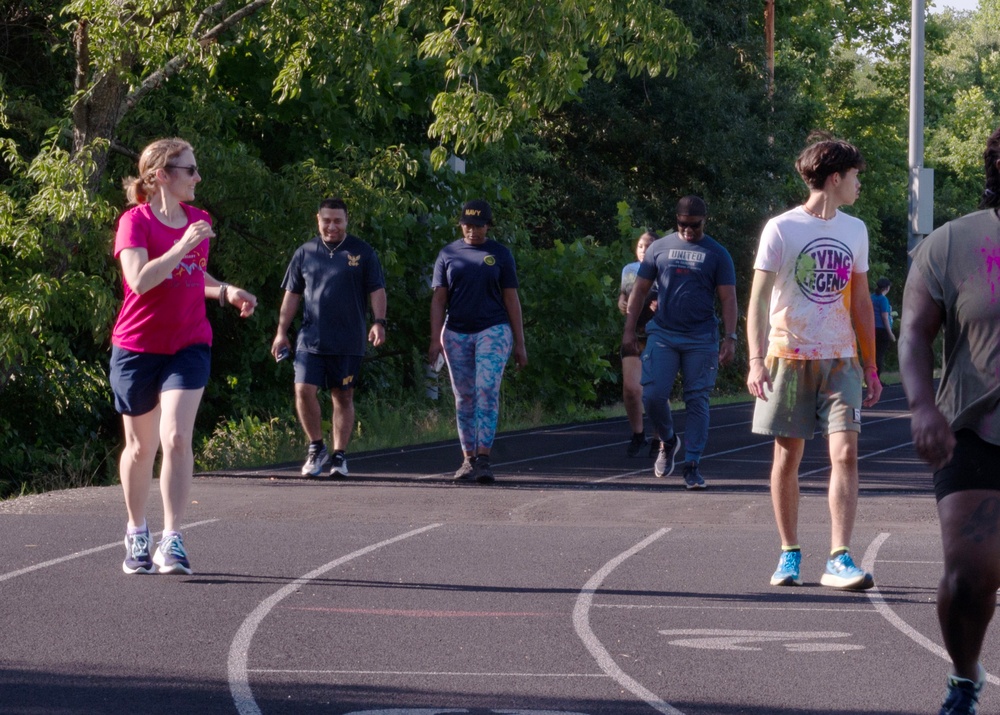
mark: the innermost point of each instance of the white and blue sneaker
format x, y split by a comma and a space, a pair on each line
787, 573
315, 462
137, 556
170, 555
962, 696
842, 573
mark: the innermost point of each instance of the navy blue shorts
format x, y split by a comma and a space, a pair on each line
975, 464
327, 371
137, 379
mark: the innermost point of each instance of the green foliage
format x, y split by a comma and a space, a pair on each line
569, 294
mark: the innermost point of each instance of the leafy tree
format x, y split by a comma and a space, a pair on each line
285, 101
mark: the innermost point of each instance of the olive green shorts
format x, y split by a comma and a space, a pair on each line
808, 394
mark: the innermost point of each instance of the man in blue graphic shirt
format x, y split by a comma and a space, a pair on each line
690, 270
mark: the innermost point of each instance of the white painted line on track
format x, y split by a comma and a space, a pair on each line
875, 596
639, 606
581, 622
861, 457
421, 673
239, 682
79, 554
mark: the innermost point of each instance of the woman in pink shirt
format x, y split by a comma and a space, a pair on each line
161, 343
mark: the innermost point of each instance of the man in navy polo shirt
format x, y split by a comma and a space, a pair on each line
335, 275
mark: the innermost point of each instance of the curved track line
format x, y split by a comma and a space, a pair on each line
581, 622
239, 683
875, 596
87, 552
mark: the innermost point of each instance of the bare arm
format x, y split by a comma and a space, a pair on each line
759, 377
242, 299
143, 274
727, 298
439, 304
512, 303
922, 319
636, 300
376, 334
863, 320
885, 322
289, 308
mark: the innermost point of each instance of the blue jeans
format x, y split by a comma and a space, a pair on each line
697, 357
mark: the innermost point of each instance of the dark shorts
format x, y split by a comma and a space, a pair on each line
137, 379
975, 464
327, 371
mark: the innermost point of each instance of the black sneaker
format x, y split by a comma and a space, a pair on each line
692, 477
654, 447
665, 458
137, 556
637, 443
338, 466
483, 472
962, 696
467, 470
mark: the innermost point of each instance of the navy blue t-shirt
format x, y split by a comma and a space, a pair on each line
335, 289
686, 275
475, 277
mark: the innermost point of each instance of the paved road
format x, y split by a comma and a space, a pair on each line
579, 583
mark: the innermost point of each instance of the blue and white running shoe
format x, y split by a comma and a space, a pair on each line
842, 573
787, 573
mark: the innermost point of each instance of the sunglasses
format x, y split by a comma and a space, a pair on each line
191, 170
685, 224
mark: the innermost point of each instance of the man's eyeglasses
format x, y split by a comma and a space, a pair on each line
694, 224
191, 170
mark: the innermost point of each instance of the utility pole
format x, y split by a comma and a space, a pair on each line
769, 44
921, 182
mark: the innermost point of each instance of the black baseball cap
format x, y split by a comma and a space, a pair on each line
476, 213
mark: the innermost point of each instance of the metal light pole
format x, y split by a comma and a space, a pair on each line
921, 183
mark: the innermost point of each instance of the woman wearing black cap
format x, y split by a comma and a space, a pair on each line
476, 323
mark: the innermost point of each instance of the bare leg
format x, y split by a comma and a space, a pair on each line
632, 391
343, 417
970, 535
142, 440
785, 487
843, 493
307, 407
180, 407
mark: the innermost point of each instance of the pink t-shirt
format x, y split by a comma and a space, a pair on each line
171, 316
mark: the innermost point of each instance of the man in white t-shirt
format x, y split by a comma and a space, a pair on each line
810, 284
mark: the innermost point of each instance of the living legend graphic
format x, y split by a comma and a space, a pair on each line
823, 270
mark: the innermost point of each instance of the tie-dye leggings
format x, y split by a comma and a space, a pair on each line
476, 362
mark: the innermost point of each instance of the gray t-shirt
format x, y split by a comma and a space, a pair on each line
335, 286
960, 264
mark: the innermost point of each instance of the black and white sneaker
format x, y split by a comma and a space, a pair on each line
692, 476
338, 465
665, 459
315, 462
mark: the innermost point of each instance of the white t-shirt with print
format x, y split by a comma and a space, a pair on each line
813, 261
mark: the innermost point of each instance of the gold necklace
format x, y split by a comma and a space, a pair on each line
813, 214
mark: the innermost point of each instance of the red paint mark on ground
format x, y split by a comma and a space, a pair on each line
421, 613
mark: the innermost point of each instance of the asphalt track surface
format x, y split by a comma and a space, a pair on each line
577, 584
